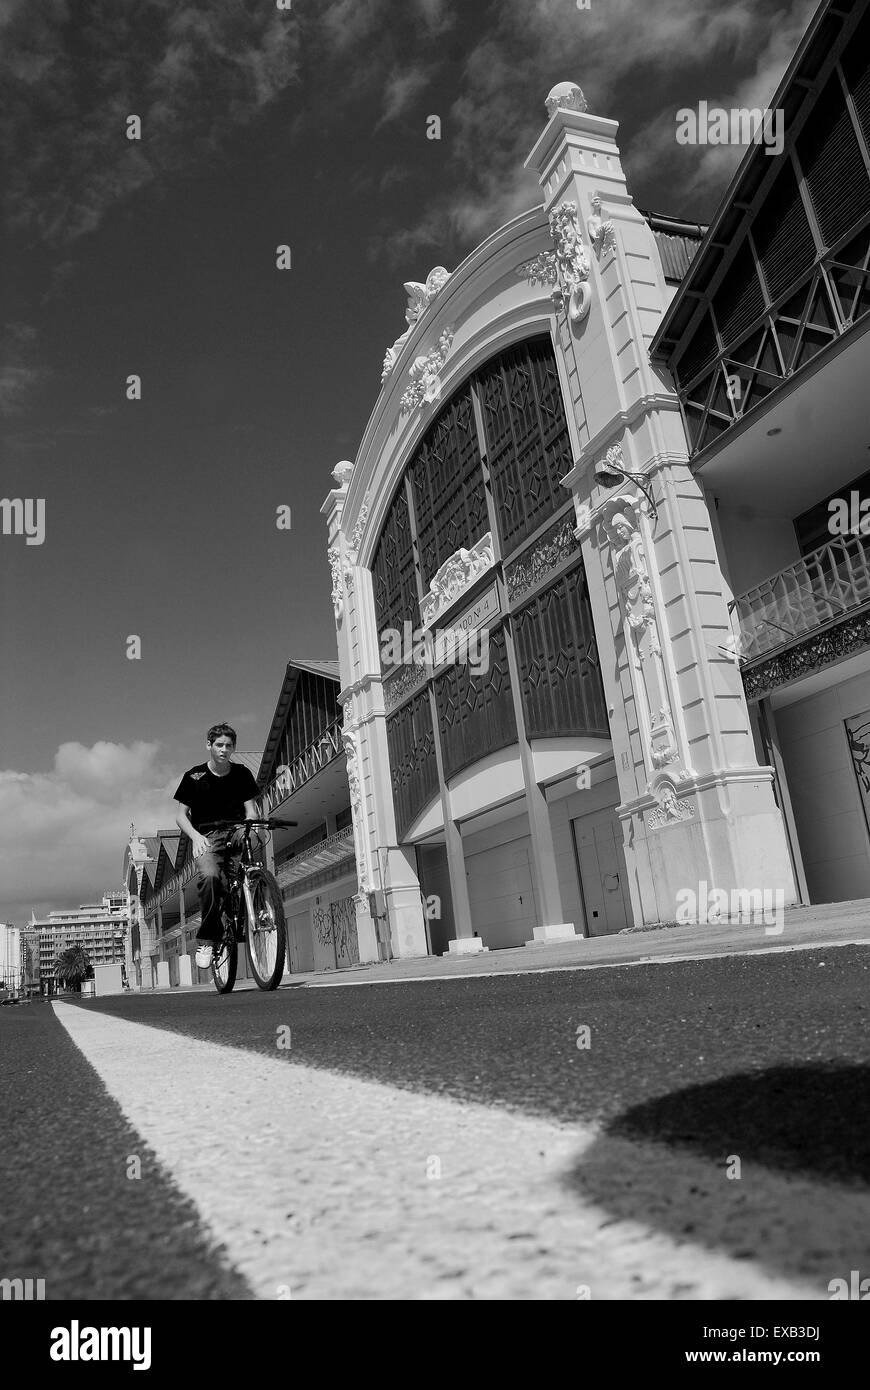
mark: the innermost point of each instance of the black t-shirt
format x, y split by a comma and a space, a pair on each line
216, 798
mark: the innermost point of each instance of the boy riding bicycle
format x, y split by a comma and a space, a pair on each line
214, 791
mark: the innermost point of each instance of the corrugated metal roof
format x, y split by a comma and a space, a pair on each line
328, 670
318, 668
677, 253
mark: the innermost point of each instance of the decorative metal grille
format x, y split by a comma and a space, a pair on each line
413, 767
823, 648
822, 587
528, 447
395, 587
534, 564
560, 673
475, 713
449, 496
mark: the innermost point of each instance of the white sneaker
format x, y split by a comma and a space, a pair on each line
205, 955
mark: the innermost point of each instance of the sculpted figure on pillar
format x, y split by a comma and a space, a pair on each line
632, 581
620, 526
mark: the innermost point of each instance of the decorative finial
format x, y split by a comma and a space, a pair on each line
342, 472
566, 95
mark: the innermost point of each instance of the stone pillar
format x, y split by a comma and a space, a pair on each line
465, 942
546, 874
185, 970
697, 810
381, 862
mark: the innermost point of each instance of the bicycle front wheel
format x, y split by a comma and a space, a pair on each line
226, 959
266, 935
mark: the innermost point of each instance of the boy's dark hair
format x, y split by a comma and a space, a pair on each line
220, 731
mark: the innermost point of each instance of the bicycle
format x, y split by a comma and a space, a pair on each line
252, 911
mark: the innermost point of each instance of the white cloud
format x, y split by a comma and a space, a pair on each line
63, 832
400, 89
201, 72
20, 373
16, 384
608, 49
436, 15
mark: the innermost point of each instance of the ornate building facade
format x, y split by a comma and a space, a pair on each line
768, 344
552, 679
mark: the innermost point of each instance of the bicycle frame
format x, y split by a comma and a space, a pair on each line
238, 891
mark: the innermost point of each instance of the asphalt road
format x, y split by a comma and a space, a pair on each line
689, 1066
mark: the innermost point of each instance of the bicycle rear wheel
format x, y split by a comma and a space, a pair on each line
266, 935
226, 959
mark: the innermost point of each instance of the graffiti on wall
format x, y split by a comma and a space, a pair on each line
335, 926
858, 734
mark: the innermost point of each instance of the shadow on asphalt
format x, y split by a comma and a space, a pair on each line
799, 1199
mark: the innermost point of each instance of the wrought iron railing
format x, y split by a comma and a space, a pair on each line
823, 586
332, 850
321, 751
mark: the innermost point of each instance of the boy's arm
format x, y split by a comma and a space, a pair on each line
200, 841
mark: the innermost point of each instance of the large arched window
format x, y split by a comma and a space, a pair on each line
491, 461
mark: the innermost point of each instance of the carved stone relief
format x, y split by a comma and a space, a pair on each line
342, 472
402, 683
565, 96
602, 233
424, 375
541, 559
419, 299
572, 261
351, 750
567, 267
352, 547
334, 557
671, 810
458, 572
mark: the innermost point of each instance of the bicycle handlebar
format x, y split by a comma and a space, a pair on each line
225, 824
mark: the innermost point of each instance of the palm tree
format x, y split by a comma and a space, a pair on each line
72, 966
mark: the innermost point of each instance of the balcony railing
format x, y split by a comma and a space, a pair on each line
814, 593
321, 751
330, 851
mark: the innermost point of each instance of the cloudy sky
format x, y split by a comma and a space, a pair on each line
261, 126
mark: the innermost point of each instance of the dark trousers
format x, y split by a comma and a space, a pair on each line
212, 883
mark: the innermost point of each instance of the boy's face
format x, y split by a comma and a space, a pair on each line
221, 750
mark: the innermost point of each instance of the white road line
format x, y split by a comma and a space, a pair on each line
316, 1183
594, 965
